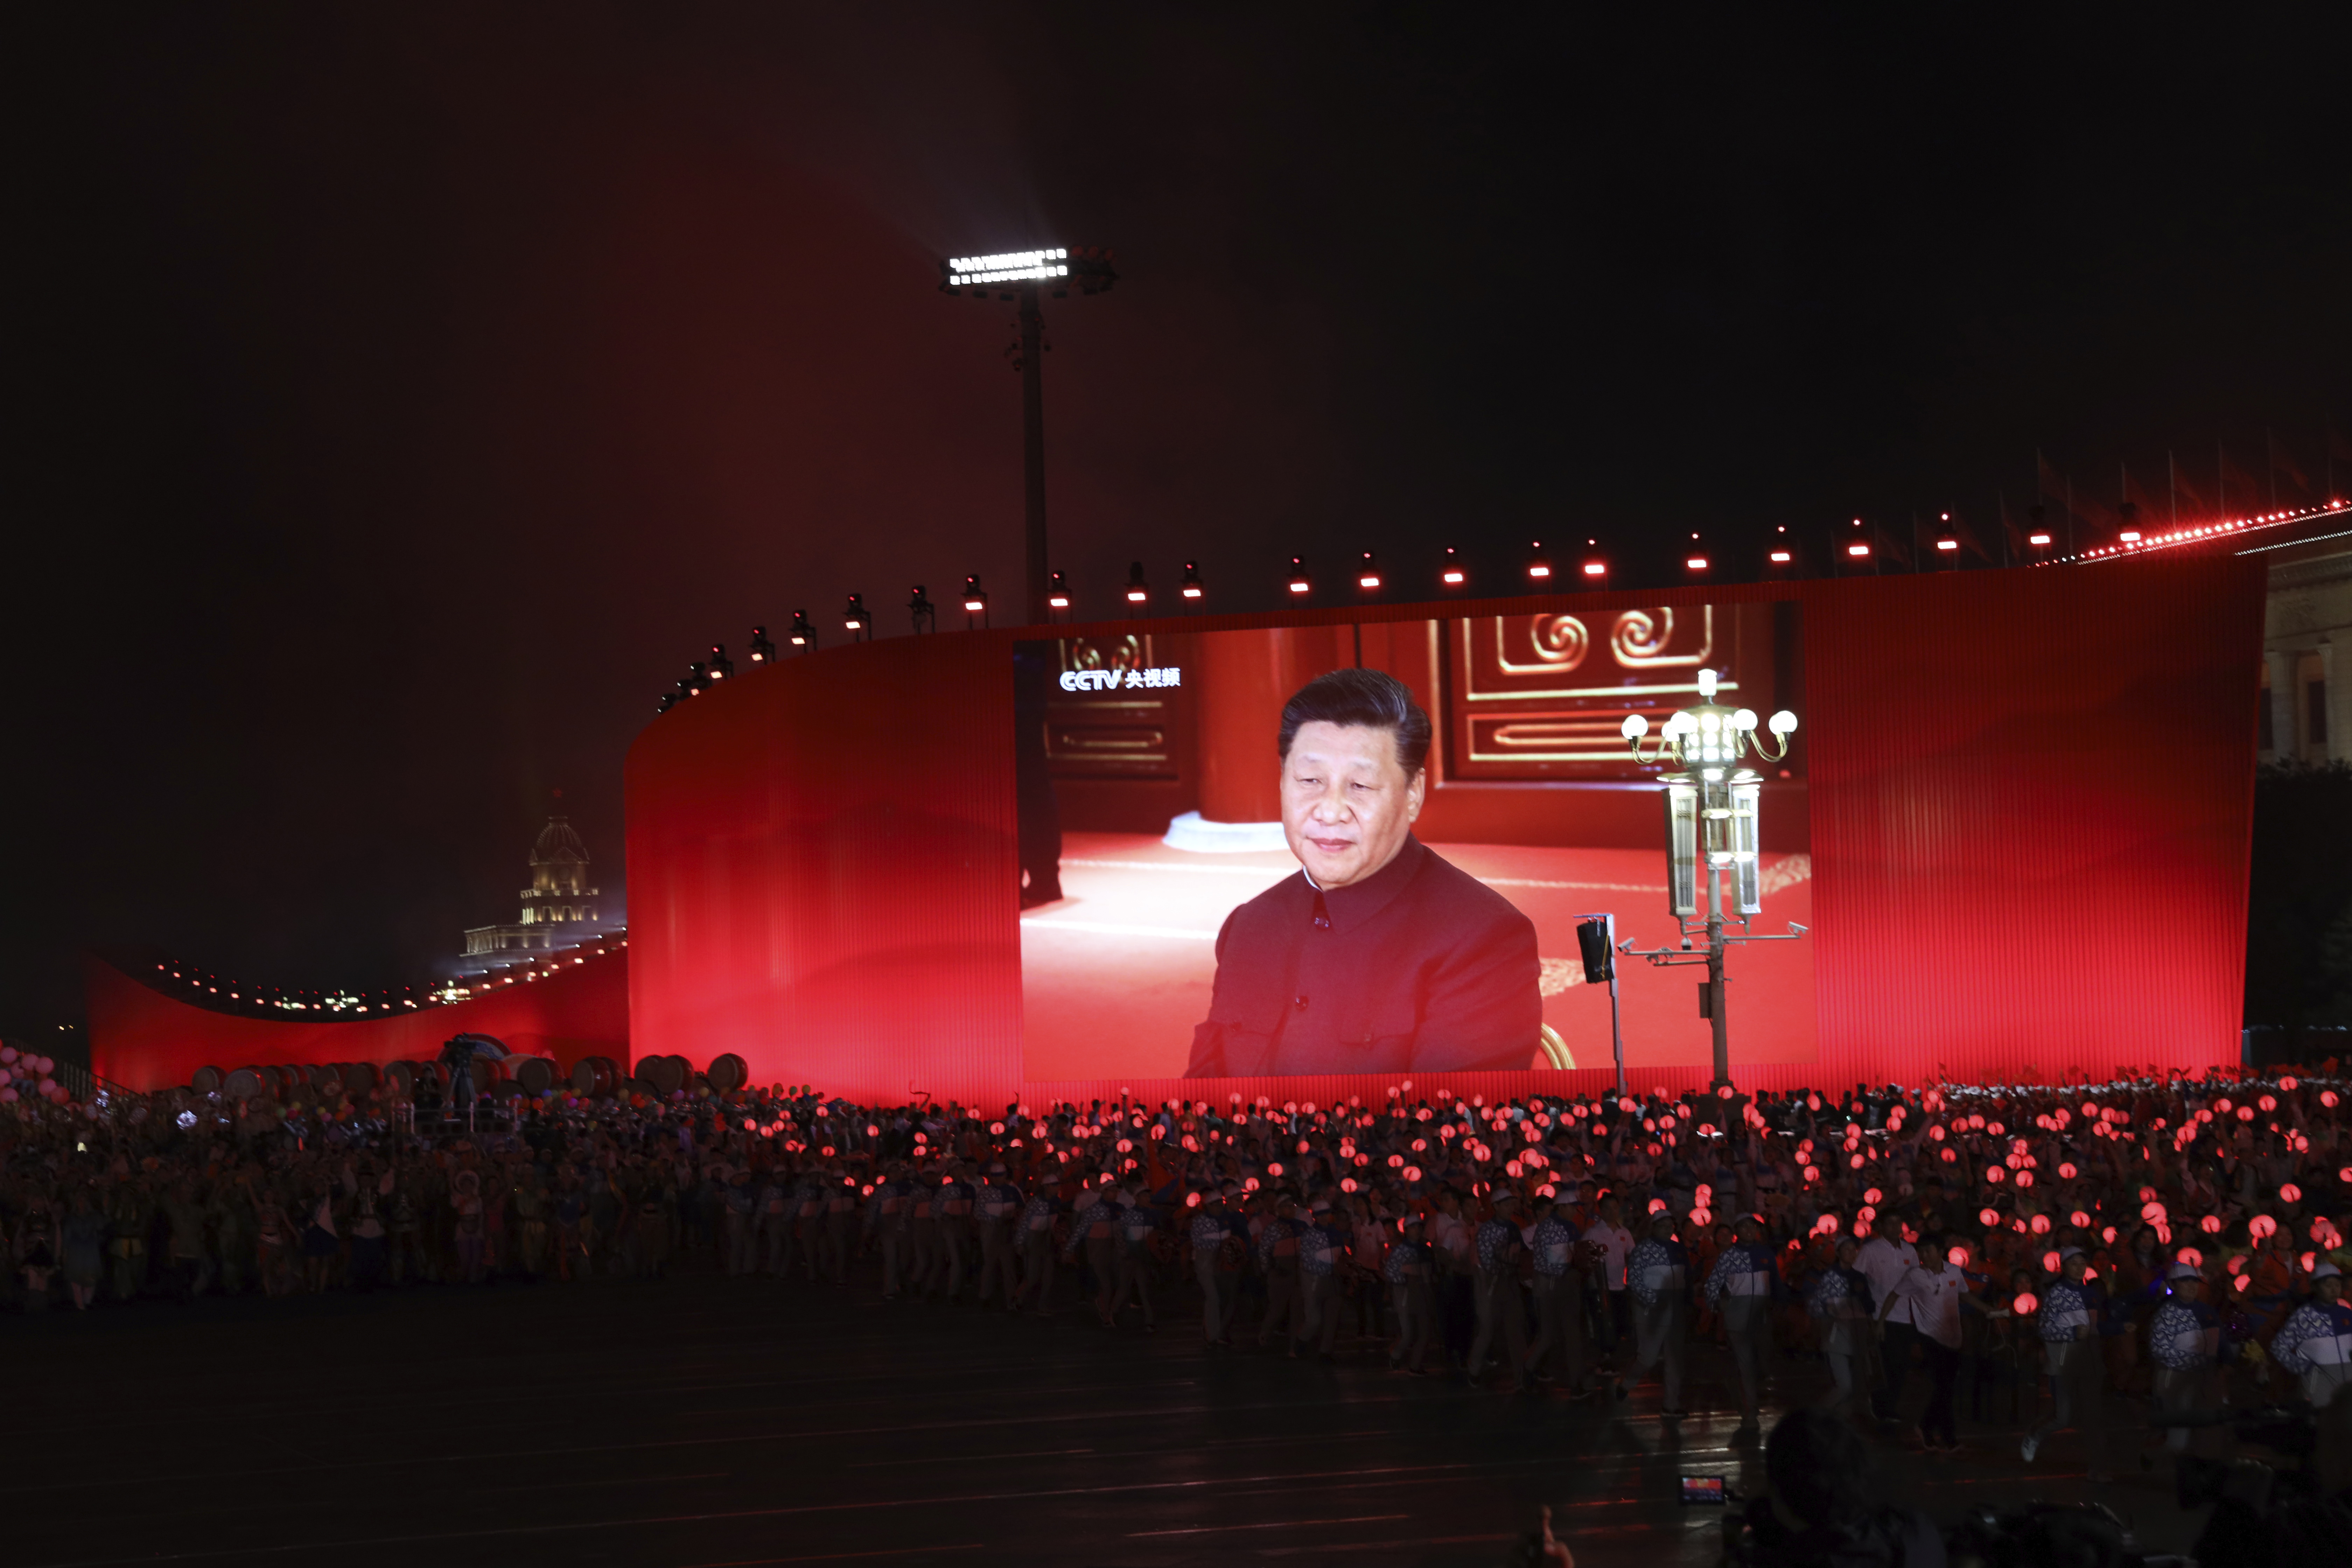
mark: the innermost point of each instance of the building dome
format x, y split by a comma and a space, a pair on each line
558, 845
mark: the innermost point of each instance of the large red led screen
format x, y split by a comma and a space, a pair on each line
1397, 890
2015, 819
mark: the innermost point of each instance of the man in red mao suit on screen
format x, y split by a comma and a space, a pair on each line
1378, 956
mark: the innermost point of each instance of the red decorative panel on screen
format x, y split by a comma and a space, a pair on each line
2033, 798
1543, 696
823, 874
144, 1039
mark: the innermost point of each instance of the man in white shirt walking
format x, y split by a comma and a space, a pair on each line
1884, 1261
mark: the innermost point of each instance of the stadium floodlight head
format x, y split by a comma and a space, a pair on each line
698, 678
855, 619
1539, 563
1451, 573
1780, 554
721, 666
1192, 588
762, 650
1947, 541
803, 635
1057, 594
1367, 573
921, 611
2129, 533
1055, 269
1299, 583
1595, 569
2037, 529
1693, 558
1138, 592
975, 600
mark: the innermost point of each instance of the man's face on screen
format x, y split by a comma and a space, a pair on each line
1346, 804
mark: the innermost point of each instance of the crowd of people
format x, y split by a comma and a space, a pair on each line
2174, 1238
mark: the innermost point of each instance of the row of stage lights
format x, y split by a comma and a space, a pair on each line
215, 990
1861, 552
1782, 560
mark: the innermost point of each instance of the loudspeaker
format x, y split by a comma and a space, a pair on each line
1600, 962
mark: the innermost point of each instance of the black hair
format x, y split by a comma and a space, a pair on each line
1371, 697
1817, 1466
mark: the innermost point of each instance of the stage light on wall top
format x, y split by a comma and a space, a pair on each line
921, 611
1782, 552
1057, 592
721, 666
1190, 588
1138, 592
975, 600
1694, 559
1367, 573
762, 650
801, 635
853, 616
698, 678
1299, 581
1539, 563
1451, 573
1596, 565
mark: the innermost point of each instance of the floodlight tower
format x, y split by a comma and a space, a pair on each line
1027, 276
1712, 817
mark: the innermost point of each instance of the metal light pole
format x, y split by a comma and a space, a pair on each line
1712, 807
1027, 276
1597, 937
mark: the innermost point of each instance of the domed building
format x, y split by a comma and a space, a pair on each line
559, 909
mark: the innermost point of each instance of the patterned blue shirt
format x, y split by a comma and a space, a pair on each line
1496, 1238
1742, 1270
2182, 1335
1655, 1270
1320, 1243
2318, 1333
2066, 1308
1826, 1293
1555, 1247
1405, 1260
1280, 1237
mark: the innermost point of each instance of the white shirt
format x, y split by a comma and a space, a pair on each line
1615, 1241
1883, 1263
1448, 1232
1934, 1302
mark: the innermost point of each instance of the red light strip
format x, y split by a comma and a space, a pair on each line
2202, 533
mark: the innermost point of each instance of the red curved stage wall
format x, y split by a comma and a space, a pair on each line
2031, 796
145, 1039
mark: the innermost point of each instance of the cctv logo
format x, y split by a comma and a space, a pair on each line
1154, 679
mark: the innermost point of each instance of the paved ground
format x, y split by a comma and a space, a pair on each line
703, 1422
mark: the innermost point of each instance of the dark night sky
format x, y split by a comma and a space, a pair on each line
409, 392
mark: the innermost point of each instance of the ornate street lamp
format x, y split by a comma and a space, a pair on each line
1711, 805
